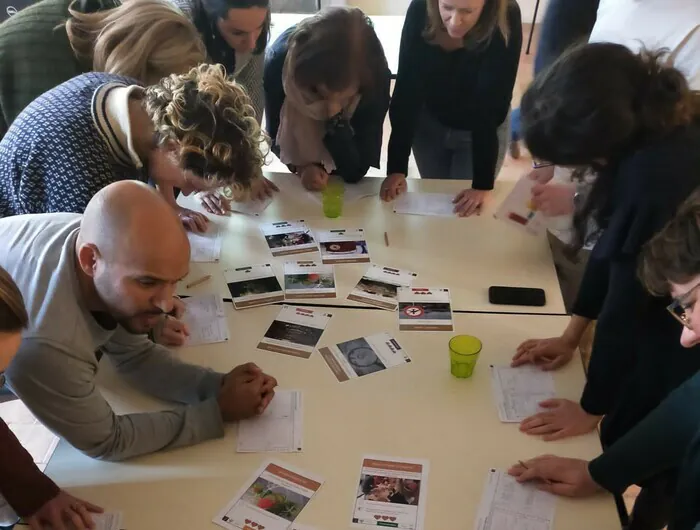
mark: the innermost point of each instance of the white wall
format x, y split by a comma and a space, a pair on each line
398, 7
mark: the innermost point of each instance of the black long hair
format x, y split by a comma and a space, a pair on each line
597, 104
217, 9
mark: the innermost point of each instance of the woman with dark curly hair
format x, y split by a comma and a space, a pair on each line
194, 132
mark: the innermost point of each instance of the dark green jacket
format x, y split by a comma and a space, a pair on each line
35, 55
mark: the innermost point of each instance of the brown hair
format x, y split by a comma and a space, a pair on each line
494, 16
210, 117
673, 255
13, 314
337, 47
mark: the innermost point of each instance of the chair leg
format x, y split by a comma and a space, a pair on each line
532, 27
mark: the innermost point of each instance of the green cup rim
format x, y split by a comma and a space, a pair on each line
477, 352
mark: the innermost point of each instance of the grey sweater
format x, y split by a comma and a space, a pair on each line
55, 368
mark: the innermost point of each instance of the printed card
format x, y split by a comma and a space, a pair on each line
519, 391
379, 286
364, 356
253, 286
392, 492
518, 209
279, 429
308, 279
343, 246
285, 238
423, 309
272, 499
295, 331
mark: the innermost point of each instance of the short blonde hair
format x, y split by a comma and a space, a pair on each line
13, 314
143, 39
212, 121
493, 17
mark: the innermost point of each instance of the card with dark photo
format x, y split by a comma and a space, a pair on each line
295, 331
379, 286
253, 286
285, 238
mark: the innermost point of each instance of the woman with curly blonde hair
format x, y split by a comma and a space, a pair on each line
54, 40
194, 131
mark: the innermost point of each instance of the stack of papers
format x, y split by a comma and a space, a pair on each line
519, 391
205, 316
434, 204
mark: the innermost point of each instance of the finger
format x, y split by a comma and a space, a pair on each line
56, 520
202, 222
250, 368
94, 508
208, 206
516, 470
472, 208
528, 475
520, 360
554, 364
460, 206
542, 430
534, 420
551, 403
85, 516
171, 338
73, 515
525, 346
459, 197
267, 398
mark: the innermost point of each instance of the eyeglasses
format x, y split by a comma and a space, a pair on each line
681, 308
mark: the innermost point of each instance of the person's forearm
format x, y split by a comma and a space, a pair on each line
575, 330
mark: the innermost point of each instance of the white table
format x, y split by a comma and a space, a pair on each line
418, 410
466, 255
388, 28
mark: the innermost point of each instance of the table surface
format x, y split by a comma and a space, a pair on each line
416, 411
467, 255
388, 28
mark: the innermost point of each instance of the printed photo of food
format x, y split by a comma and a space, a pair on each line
345, 248
311, 280
292, 239
377, 288
275, 499
391, 490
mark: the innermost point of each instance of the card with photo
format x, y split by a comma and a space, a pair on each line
308, 279
295, 331
364, 356
423, 309
272, 499
343, 246
517, 208
379, 286
392, 492
288, 237
253, 286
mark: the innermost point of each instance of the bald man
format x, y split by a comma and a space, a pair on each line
100, 281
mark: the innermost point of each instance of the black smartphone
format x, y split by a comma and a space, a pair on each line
502, 295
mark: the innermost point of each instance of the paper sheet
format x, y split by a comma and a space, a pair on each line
434, 204
518, 209
506, 505
251, 207
518, 391
253, 286
424, 309
392, 492
279, 429
34, 437
308, 279
272, 499
364, 356
295, 331
107, 521
205, 316
206, 248
343, 246
288, 237
379, 286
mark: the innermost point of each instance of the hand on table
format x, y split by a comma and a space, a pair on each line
313, 177
542, 174
562, 419
568, 477
246, 391
548, 354
172, 331
554, 199
262, 188
393, 186
215, 202
469, 202
193, 221
64, 512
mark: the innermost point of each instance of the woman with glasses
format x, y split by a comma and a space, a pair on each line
634, 123
28, 492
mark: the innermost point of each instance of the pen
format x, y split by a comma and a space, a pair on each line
545, 480
199, 281
386, 239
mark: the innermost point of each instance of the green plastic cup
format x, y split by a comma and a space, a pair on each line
333, 200
464, 352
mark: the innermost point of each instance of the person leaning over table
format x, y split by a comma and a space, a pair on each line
54, 40
99, 282
457, 67
669, 437
192, 131
633, 122
326, 96
30, 493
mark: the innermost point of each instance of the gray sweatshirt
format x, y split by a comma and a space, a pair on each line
55, 368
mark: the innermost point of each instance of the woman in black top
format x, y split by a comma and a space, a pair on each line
635, 123
326, 95
457, 67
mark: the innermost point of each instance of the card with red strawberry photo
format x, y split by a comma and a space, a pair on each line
308, 279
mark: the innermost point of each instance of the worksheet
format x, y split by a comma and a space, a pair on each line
392, 492
253, 286
278, 430
518, 209
343, 246
519, 391
432, 204
205, 317
308, 279
253, 207
425, 309
379, 286
295, 331
506, 505
289, 237
206, 248
34, 437
272, 499
107, 521
364, 356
